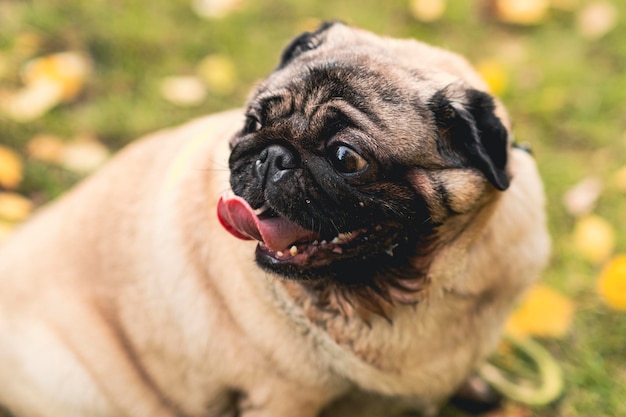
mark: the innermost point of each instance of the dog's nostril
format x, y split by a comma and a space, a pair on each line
274, 161
278, 157
281, 157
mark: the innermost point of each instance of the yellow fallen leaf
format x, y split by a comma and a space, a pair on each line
596, 19
11, 168
14, 207
612, 283
84, 155
594, 238
543, 313
427, 10
522, 12
495, 75
581, 199
34, 100
46, 148
215, 9
219, 73
68, 70
183, 91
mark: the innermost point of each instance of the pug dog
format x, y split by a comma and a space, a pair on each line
358, 258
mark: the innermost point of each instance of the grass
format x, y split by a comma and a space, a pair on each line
566, 94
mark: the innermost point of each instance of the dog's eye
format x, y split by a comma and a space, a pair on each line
252, 124
346, 160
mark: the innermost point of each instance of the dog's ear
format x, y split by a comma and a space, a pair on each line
470, 129
305, 42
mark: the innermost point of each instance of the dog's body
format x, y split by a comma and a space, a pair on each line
127, 297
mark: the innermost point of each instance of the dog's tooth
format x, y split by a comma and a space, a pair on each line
280, 254
293, 250
323, 242
261, 209
345, 236
335, 240
315, 243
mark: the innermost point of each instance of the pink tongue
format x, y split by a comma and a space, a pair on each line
236, 215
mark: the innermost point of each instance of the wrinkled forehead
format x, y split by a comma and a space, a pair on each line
363, 89
343, 61
349, 77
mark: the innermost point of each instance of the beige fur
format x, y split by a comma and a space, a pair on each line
126, 298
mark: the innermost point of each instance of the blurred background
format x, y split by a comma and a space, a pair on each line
80, 79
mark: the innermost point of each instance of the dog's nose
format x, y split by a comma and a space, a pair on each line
274, 161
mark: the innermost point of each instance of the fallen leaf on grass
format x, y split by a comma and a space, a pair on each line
14, 207
215, 9
612, 283
48, 81
84, 155
46, 148
521, 12
495, 75
68, 70
597, 19
594, 238
11, 168
581, 198
183, 91
218, 73
543, 313
427, 10
33, 101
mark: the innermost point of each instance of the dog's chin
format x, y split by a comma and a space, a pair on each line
349, 258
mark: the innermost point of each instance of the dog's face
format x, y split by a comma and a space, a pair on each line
353, 156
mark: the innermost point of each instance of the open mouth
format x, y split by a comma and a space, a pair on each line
282, 241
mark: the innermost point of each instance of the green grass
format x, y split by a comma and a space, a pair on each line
566, 94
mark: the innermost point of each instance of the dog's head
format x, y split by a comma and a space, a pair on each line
355, 153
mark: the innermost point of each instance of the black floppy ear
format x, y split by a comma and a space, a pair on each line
469, 128
305, 42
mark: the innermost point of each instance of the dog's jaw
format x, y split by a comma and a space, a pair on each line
372, 268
